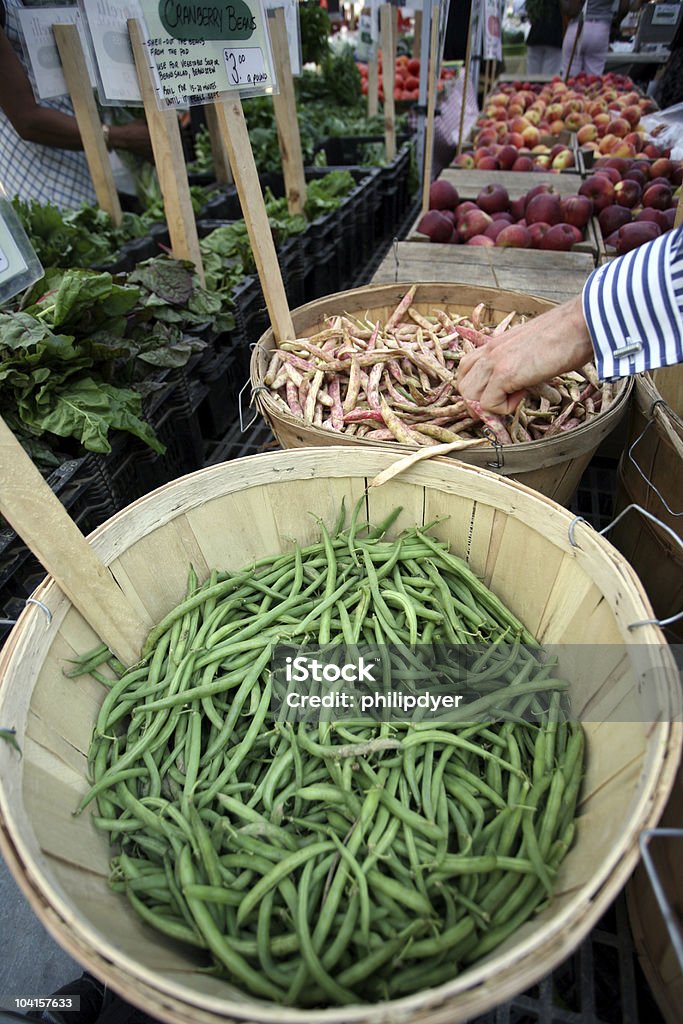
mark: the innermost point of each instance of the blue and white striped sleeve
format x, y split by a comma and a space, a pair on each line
633, 307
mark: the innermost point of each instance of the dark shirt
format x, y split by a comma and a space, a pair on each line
547, 30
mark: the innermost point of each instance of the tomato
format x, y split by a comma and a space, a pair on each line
398, 93
414, 66
412, 83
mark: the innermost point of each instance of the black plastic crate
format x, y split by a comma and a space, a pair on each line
394, 193
236, 443
349, 150
251, 315
595, 497
219, 408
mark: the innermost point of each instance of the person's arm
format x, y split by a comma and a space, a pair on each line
629, 318
46, 126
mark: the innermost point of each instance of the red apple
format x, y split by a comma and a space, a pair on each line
544, 208
677, 174
633, 235
662, 168
488, 163
537, 232
436, 226
600, 189
503, 215
576, 210
658, 217
517, 207
464, 208
559, 238
619, 127
609, 172
658, 196
612, 218
494, 229
514, 236
587, 133
442, 195
506, 157
480, 240
523, 163
627, 193
564, 159
475, 222
669, 215
493, 199
465, 160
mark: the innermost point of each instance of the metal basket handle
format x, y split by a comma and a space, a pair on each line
653, 519
651, 420
670, 920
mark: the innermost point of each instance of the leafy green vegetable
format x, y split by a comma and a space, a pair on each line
315, 31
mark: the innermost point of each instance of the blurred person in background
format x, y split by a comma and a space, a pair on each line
586, 41
544, 41
41, 153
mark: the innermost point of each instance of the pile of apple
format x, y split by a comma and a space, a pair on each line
541, 219
634, 200
507, 156
593, 111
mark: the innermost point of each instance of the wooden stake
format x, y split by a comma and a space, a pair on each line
388, 37
432, 86
89, 125
373, 86
169, 158
235, 135
417, 34
285, 115
465, 83
38, 516
221, 164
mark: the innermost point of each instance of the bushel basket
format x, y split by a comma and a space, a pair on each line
518, 542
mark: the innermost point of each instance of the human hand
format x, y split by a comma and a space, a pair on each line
133, 137
497, 374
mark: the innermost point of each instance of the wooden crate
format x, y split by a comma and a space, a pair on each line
557, 276
470, 183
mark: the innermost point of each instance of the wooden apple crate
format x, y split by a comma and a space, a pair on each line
558, 276
590, 246
518, 183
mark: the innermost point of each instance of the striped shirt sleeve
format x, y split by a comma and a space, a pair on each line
633, 307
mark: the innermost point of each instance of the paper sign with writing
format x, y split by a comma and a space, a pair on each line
200, 50
19, 265
35, 24
106, 24
293, 30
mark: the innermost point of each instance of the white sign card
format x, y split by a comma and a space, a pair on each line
199, 51
19, 265
493, 40
293, 30
35, 24
107, 28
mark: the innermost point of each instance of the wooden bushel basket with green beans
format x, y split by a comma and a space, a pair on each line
210, 860
334, 863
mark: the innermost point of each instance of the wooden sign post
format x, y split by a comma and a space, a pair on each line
373, 86
78, 83
417, 33
465, 85
285, 115
432, 86
221, 164
233, 128
169, 158
388, 41
36, 513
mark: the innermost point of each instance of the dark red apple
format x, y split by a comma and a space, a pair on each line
633, 235
612, 218
442, 195
494, 229
576, 210
507, 156
627, 193
657, 196
480, 240
560, 238
464, 208
544, 208
493, 199
475, 222
517, 207
537, 232
437, 227
600, 189
514, 236
523, 163
653, 216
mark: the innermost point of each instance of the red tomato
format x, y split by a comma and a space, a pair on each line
412, 83
398, 93
414, 66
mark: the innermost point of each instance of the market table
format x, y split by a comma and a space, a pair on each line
557, 276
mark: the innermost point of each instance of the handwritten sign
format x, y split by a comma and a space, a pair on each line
19, 265
35, 24
107, 28
199, 50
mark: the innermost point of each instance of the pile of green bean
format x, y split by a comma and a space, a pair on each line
337, 862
